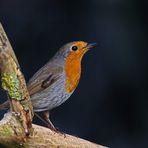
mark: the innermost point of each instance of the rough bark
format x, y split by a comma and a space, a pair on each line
16, 129
14, 84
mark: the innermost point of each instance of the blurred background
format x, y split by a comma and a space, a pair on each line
109, 106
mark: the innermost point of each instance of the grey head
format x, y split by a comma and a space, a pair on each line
70, 47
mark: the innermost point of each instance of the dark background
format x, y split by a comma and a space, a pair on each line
109, 106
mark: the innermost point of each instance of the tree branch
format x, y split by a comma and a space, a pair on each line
16, 127
14, 84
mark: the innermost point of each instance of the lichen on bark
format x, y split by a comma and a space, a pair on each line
11, 84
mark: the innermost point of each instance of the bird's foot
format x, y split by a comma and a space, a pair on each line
56, 130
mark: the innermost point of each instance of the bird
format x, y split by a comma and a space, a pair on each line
56, 81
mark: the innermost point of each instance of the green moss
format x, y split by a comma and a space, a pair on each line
6, 131
11, 84
12, 144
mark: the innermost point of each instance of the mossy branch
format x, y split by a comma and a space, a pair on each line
16, 127
14, 84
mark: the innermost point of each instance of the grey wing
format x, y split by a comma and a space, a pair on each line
44, 78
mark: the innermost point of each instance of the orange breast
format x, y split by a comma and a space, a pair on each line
73, 71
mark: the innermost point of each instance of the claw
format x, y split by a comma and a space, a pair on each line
56, 130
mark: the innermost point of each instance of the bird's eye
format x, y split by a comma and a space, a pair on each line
74, 48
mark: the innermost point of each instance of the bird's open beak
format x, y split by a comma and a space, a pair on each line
91, 45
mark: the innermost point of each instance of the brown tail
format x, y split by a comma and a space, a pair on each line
5, 105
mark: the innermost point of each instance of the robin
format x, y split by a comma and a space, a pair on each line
55, 82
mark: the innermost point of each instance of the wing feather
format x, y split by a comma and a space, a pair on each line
44, 78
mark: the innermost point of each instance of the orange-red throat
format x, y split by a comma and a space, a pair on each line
73, 65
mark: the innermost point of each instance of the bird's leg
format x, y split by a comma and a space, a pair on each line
41, 118
46, 118
50, 125
47, 121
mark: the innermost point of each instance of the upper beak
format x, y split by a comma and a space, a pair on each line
91, 45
